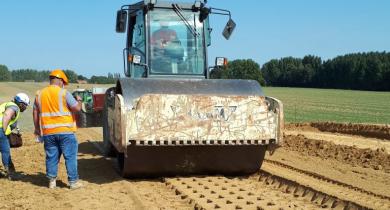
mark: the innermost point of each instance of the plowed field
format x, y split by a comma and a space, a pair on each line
314, 168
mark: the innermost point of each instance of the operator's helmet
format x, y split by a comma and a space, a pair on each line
58, 73
22, 98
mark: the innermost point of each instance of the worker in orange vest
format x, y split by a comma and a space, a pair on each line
55, 125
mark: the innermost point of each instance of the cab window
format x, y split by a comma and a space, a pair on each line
175, 49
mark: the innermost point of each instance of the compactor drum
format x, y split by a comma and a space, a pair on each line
169, 118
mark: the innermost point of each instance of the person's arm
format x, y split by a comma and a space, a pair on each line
14, 126
73, 104
7, 116
37, 124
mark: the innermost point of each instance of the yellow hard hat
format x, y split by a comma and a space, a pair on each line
60, 74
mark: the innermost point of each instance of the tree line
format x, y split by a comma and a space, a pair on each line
21, 75
358, 71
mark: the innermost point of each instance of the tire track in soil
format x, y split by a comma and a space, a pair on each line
324, 186
145, 194
329, 180
277, 186
264, 191
366, 130
377, 159
235, 193
345, 139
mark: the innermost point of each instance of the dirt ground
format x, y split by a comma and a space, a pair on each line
104, 188
343, 161
365, 165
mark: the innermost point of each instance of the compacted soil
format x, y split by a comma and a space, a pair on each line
350, 166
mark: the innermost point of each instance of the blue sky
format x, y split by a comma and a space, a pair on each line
80, 35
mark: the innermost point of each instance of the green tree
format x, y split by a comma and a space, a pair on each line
72, 76
245, 69
42, 76
360, 71
81, 77
5, 74
272, 72
312, 65
110, 79
218, 73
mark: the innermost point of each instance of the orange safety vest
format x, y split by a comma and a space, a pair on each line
54, 113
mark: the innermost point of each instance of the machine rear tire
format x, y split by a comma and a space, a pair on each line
109, 149
82, 122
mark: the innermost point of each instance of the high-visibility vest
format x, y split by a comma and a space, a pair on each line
3, 107
54, 113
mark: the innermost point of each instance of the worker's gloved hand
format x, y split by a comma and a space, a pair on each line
38, 136
16, 131
38, 139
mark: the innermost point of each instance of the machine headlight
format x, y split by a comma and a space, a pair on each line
221, 61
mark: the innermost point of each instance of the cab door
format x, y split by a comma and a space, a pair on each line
136, 43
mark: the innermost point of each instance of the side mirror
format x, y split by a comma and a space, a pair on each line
229, 28
121, 20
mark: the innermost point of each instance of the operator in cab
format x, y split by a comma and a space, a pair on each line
166, 48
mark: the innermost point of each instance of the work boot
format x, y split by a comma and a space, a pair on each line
11, 167
2, 174
8, 173
75, 185
11, 173
52, 183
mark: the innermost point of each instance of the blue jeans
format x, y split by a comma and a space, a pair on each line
5, 149
58, 144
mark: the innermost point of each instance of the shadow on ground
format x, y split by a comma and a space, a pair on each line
92, 165
101, 169
39, 179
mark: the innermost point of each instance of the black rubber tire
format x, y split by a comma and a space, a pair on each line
108, 148
120, 157
83, 123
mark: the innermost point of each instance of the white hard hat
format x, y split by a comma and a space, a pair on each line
22, 98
